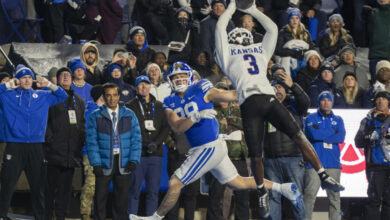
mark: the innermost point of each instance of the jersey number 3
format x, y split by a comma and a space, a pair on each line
254, 69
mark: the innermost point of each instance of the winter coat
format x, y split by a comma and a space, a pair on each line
100, 139
285, 36
179, 33
127, 91
153, 111
318, 85
372, 149
207, 34
144, 55
324, 44
325, 133
25, 112
305, 76
277, 143
379, 33
64, 141
358, 103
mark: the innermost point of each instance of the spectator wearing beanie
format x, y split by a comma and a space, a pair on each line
127, 91
349, 64
325, 131
159, 89
382, 82
335, 37
128, 64
207, 27
324, 82
308, 73
65, 137
138, 46
79, 86
25, 120
90, 56
353, 93
88, 188
52, 75
293, 40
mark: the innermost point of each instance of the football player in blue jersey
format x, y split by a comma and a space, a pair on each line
190, 110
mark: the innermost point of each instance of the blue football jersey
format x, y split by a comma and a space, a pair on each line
206, 130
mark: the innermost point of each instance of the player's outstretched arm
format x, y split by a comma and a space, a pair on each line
220, 95
178, 125
271, 35
221, 37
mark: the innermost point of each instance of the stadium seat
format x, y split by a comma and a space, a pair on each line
16, 17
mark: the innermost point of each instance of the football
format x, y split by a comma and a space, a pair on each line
244, 4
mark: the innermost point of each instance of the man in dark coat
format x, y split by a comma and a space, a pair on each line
65, 137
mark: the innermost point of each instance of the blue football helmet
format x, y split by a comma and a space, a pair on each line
240, 36
177, 68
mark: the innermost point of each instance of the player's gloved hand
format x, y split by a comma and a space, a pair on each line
208, 113
234, 136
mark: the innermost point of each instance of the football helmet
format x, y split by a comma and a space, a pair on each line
177, 68
240, 36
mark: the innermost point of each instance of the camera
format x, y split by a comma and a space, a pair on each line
126, 55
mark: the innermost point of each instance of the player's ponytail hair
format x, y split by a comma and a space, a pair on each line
300, 33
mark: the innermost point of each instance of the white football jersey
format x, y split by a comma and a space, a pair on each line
247, 69
246, 66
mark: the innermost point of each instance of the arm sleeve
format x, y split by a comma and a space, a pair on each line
360, 139
221, 37
338, 137
164, 130
92, 143
57, 96
302, 100
135, 141
271, 35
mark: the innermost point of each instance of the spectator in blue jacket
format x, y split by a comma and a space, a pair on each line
25, 113
114, 149
324, 82
325, 131
373, 132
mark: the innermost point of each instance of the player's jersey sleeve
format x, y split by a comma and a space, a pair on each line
221, 38
202, 87
167, 102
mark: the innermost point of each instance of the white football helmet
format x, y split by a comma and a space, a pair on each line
240, 36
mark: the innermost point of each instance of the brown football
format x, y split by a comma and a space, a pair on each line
244, 4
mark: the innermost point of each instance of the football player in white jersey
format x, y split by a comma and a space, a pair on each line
190, 110
245, 63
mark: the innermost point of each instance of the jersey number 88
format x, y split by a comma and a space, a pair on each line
188, 109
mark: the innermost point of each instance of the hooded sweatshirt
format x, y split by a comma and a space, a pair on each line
93, 75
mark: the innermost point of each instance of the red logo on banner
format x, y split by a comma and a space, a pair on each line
352, 159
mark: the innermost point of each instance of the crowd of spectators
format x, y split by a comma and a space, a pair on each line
316, 65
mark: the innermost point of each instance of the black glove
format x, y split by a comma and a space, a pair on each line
315, 126
151, 148
98, 171
130, 167
299, 54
